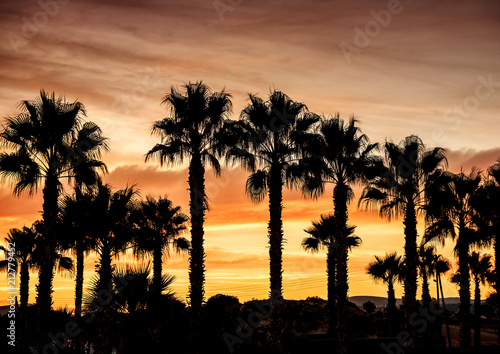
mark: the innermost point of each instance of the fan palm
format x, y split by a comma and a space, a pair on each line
111, 226
426, 264
323, 234
399, 189
24, 242
159, 223
343, 157
451, 210
76, 220
49, 141
275, 134
196, 131
480, 269
388, 269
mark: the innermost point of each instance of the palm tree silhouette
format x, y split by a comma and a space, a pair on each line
451, 209
399, 189
342, 157
389, 270
111, 227
158, 223
274, 135
480, 268
195, 131
442, 266
489, 218
76, 219
323, 234
426, 264
24, 246
50, 141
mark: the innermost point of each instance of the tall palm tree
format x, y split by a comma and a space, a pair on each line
159, 223
76, 219
399, 189
195, 131
388, 269
323, 234
47, 142
274, 134
343, 157
480, 268
24, 241
451, 210
489, 217
426, 264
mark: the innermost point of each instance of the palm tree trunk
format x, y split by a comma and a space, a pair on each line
426, 294
105, 269
197, 204
464, 291
477, 314
391, 307
157, 270
24, 288
46, 269
332, 281
411, 256
340, 193
80, 264
437, 289
275, 228
445, 312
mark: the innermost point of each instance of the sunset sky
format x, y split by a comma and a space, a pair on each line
427, 67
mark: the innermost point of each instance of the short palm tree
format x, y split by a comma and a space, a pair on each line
323, 234
388, 269
47, 142
480, 269
111, 227
399, 190
426, 264
196, 131
274, 134
451, 210
158, 224
76, 219
24, 242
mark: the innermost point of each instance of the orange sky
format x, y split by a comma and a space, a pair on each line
418, 75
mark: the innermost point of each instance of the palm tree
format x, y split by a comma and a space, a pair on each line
323, 234
111, 227
441, 266
24, 246
195, 131
388, 269
343, 156
451, 209
426, 264
76, 219
480, 268
47, 142
274, 135
489, 217
159, 224
399, 189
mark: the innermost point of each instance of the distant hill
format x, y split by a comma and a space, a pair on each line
381, 301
